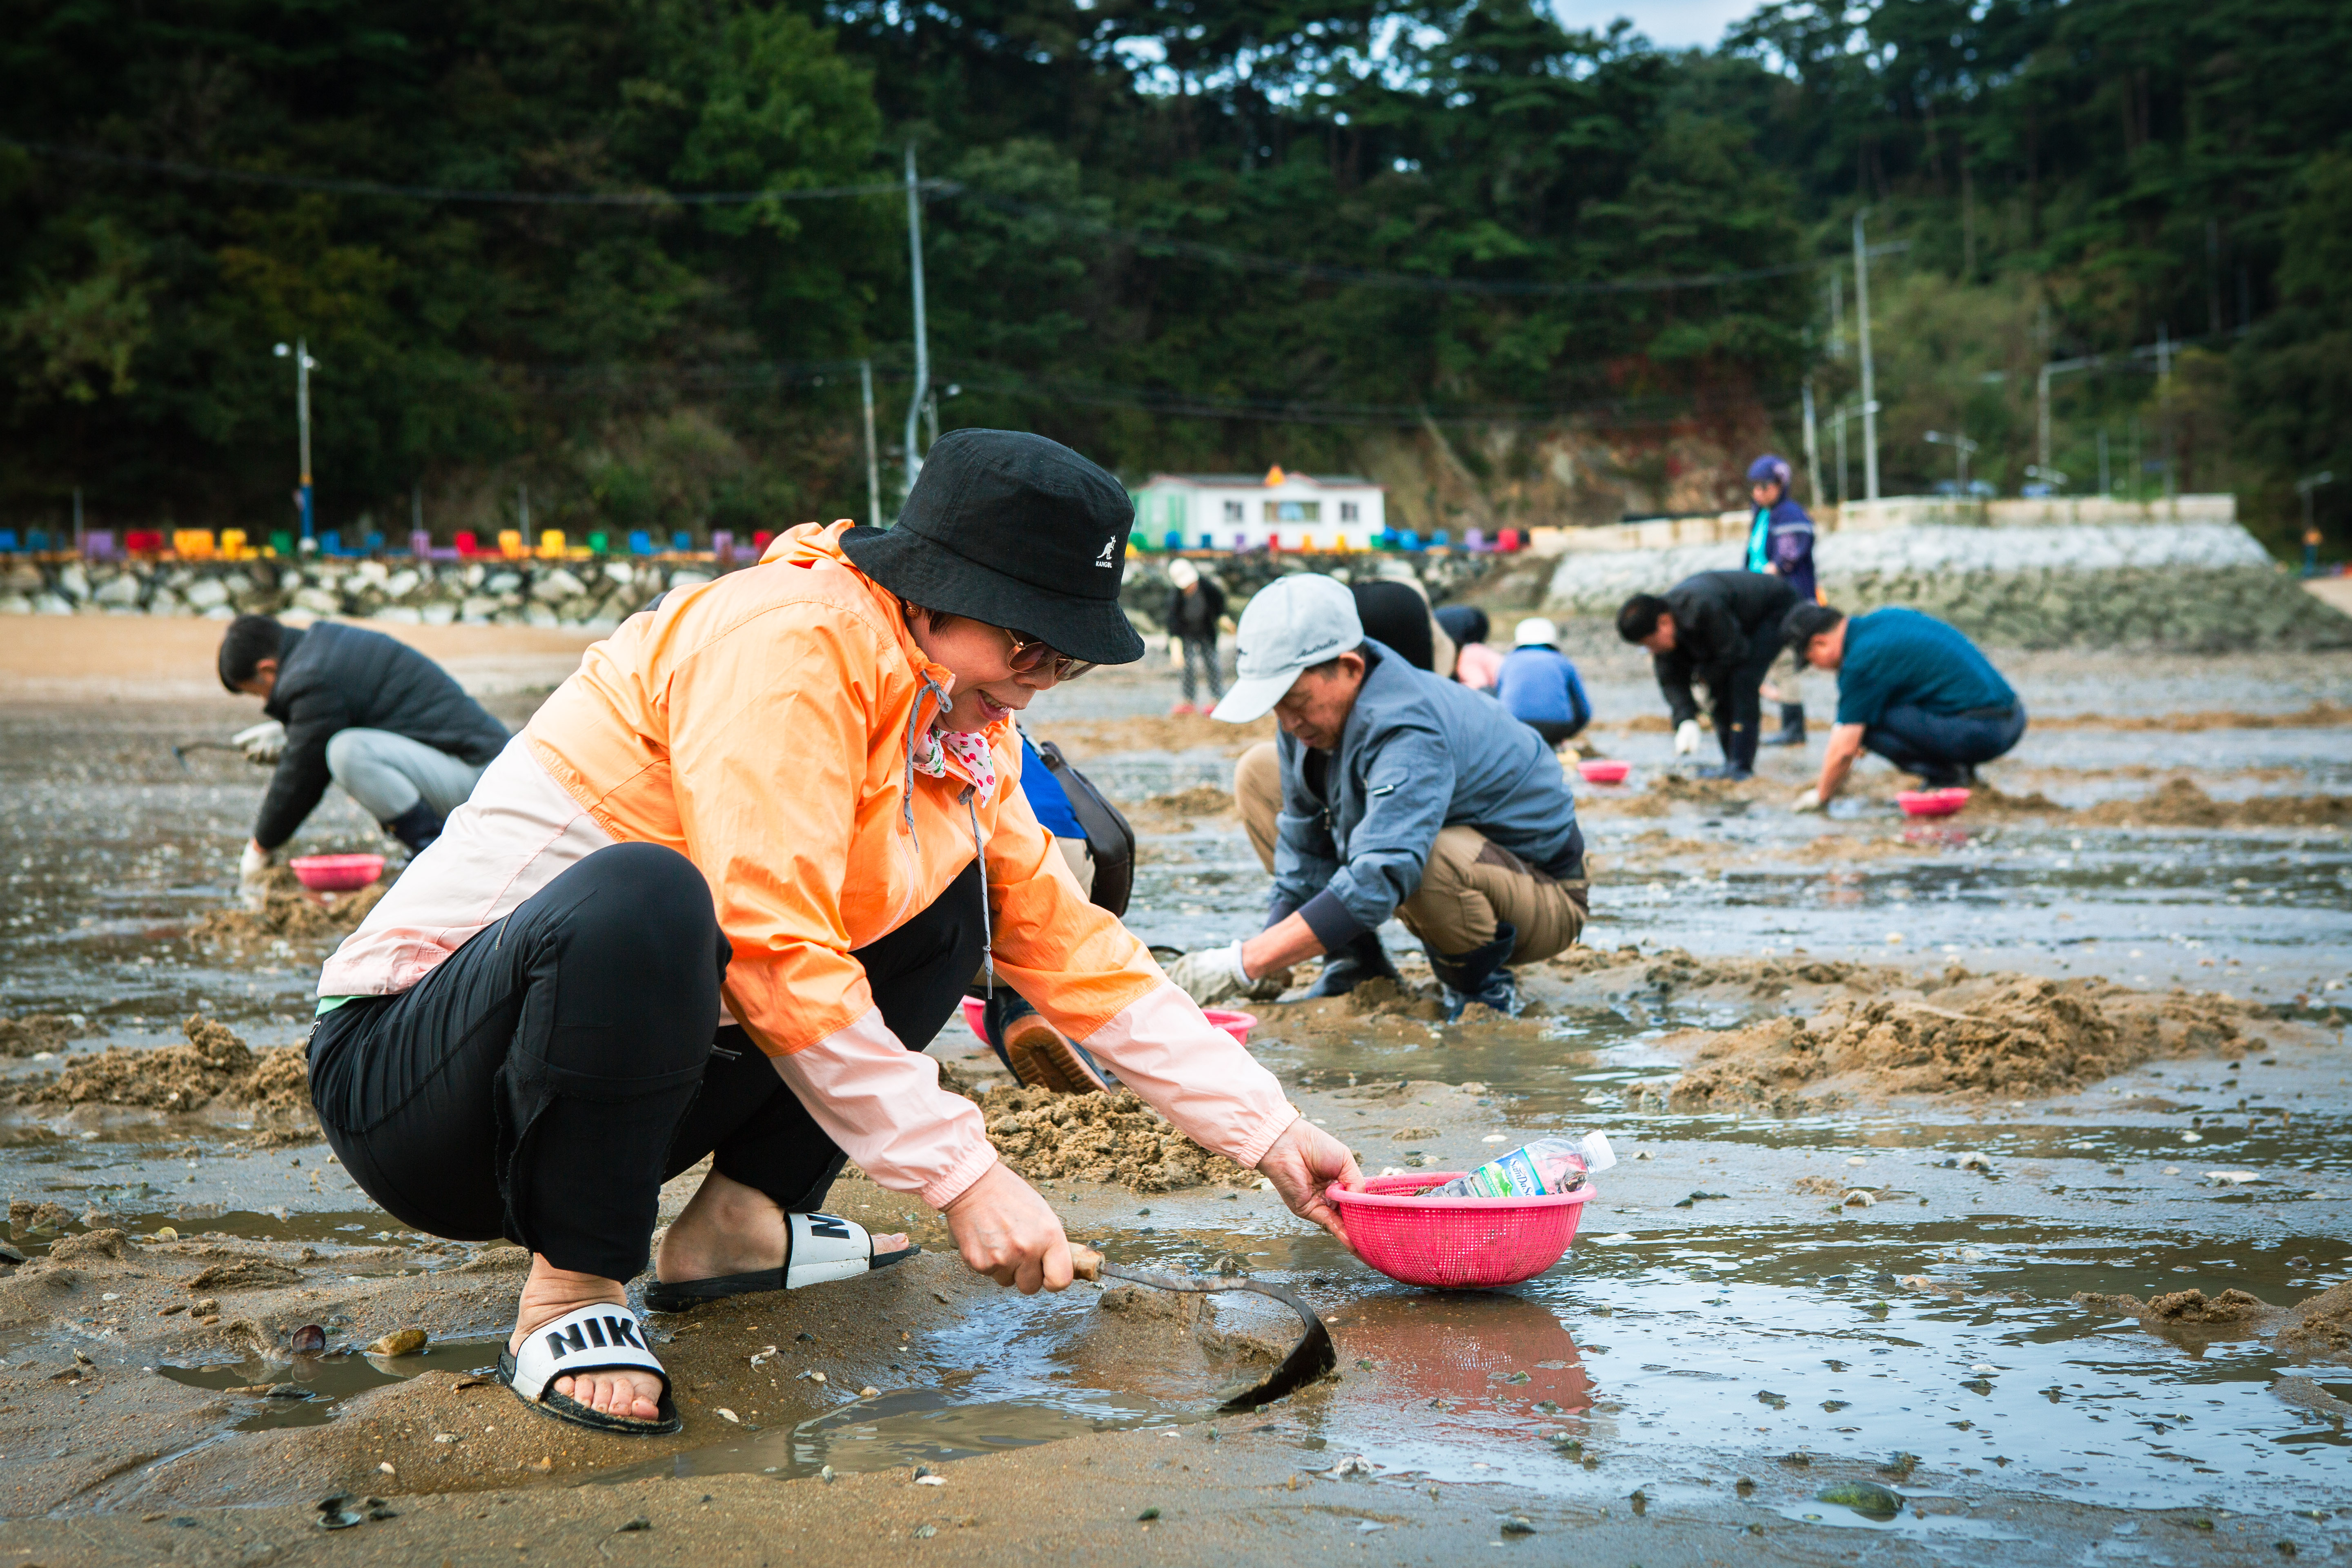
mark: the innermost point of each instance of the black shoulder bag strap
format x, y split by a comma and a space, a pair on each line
1109, 836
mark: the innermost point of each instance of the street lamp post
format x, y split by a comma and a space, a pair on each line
1961, 447
303, 364
2042, 397
922, 391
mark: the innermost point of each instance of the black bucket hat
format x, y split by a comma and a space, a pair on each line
1016, 530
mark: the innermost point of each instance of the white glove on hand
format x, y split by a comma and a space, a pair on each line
253, 863
265, 743
1687, 738
1811, 800
1175, 651
1212, 976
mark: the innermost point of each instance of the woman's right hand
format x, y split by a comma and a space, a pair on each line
1005, 1230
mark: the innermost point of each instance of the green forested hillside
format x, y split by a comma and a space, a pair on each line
1192, 234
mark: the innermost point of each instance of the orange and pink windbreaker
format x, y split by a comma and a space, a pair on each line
762, 725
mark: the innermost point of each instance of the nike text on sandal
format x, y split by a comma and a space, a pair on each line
584, 1341
818, 1248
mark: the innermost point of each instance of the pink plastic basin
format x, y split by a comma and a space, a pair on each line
1931, 802
336, 873
1599, 772
1454, 1244
1237, 1025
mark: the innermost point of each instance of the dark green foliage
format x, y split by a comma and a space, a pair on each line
1186, 236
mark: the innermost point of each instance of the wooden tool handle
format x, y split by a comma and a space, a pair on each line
1085, 1261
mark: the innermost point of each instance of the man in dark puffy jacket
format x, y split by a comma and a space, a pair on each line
372, 714
1724, 628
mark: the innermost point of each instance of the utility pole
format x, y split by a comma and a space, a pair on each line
1838, 423
2105, 488
1812, 449
873, 464
302, 367
2164, 404
922, 391
78, 530
522, 512
1862, 338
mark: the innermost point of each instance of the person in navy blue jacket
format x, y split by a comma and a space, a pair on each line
1780, 543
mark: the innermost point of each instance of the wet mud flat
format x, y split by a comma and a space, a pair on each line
1803, 1295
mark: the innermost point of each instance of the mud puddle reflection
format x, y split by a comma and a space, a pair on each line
304, 1391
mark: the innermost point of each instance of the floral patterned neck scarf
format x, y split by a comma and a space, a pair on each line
973, 759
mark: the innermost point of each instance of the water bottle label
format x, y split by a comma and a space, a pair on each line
1512, 1176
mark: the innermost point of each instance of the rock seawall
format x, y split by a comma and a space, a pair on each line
2202, 586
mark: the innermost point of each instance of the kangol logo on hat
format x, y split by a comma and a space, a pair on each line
1002, 527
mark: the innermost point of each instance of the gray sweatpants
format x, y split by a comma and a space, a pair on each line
387, 773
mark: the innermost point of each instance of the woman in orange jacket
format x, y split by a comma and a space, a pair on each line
717, 897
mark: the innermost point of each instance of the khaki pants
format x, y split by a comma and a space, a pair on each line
1468, 885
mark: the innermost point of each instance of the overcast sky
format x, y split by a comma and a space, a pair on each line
1672, 23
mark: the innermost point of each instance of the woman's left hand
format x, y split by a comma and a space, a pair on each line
1303, 1161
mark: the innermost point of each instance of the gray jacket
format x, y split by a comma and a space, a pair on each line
1417, 754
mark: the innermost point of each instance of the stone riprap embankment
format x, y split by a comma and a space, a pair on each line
2206, 586
436, 594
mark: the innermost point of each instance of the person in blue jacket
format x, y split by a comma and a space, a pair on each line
1780, 543
1537, 686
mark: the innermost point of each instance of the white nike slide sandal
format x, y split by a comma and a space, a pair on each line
586, 1340
818, 1248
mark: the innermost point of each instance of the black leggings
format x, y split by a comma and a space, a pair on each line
543, 1081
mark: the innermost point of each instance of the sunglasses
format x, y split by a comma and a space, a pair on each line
1031, 653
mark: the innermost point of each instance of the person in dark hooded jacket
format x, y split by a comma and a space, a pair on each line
357, 708
1722, 628
1780, 544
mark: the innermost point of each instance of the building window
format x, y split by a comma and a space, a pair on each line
1348, 511
1233, 512
1293, 512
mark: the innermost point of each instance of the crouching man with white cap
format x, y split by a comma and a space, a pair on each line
1389, 792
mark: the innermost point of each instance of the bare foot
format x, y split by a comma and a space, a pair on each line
729, 1228
551, 1293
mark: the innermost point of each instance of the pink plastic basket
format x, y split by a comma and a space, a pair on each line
1455, 1243
1931, 802
336, 873
1237, 1025
1603, 771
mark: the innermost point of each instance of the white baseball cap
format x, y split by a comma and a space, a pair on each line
1182, 572
1291, 624
1536, 631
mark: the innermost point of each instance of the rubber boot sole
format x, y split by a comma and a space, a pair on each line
1042, 1058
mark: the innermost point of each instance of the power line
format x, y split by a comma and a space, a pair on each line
447, 194
1141, 239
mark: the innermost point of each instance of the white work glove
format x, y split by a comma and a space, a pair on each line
1175, 651
1810, 800
1212, 975
1687, 738
265, 743
254, 864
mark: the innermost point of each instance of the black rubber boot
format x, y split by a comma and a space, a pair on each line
1792, 726
1480, 975
416, 827
1361, 960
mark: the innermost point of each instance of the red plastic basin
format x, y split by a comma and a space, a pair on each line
1931, 802
1237, 1025
1454, 1244
336, 873
1599, 772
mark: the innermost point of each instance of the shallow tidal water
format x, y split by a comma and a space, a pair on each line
1674, 1352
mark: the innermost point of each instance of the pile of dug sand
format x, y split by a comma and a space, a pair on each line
2004, 1036
1183, 806
2317, 1328
42, 1032
1080, 739
288, 911
214, 1066
1096, 1138
2319, 715
2178, 803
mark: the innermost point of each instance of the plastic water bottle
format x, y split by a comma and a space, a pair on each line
1546, 1165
